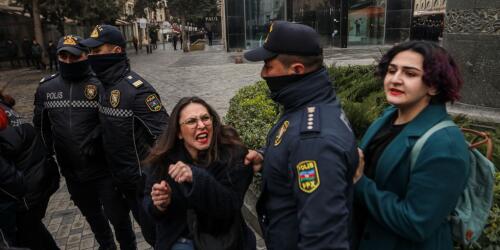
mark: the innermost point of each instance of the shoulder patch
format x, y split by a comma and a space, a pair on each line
90, 91
48, 78
308, 176
281, 132
153, 103
134, 80
310, 121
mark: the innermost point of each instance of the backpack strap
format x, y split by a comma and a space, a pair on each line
415, 151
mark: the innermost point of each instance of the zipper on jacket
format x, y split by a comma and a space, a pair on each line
9, 194
26, 204
4, 239
70, 103
135, 146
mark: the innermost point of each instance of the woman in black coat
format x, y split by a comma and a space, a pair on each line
27, 160
197, 182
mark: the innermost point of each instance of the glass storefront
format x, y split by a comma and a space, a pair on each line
340, 23
258, 16
366, 22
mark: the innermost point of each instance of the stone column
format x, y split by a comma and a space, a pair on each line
472, 36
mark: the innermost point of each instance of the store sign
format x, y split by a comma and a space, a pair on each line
211, 19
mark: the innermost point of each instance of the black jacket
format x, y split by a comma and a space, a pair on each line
216, 195
66, 113
33, 176
132, 117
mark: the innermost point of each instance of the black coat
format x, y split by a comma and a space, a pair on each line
132, 116
216, 195
66, 114
33, 174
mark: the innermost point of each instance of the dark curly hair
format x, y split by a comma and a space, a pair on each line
440, 70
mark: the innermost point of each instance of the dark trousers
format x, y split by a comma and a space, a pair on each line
31, 232
99, 201
134, 196
53, 61
7, 223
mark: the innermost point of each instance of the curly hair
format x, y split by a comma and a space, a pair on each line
440, 70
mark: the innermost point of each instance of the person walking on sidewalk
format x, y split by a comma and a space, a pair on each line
66, 114
26, 47
52, 51
36, 52
132, 117
311, 152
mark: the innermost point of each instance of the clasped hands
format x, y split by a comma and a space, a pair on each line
161, 193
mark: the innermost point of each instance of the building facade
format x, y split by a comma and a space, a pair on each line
340, 23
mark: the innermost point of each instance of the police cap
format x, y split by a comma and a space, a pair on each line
71, 44
104, 34
287, 38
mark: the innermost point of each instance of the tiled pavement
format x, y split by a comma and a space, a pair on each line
211, 75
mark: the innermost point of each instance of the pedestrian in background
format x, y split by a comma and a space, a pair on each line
26, 47
52, 51
27, 158
12, 54
399, 206
135, 41
66, 114
311, 155
197, 182
132, 117
36, 53
174, 41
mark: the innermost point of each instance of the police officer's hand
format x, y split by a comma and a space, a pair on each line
180, 172
361, 167
161, 195
255, 158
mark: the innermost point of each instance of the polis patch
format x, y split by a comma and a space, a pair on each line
281, 132
90, 92
114, 98
153, 103
308, 176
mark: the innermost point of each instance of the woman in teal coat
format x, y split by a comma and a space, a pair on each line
398, 207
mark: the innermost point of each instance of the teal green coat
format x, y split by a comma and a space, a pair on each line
408, 209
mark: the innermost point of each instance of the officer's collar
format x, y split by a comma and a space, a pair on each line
314, 89
115, 73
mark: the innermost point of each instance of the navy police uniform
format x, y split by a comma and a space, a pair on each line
132, 117
66, 113
310, 156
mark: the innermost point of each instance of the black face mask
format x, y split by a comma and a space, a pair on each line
277, 84
74, 71
101, 63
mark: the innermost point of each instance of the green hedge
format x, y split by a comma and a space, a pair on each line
253, 113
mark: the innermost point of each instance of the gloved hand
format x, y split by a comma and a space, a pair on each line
90, 145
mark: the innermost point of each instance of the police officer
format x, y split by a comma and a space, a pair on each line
66, 113
311, 154
131, 114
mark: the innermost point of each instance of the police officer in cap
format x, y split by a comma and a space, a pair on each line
131, 114
311, 152
66, 113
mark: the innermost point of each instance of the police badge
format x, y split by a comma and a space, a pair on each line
153, 103
114, 98
90, 92
308, 176
281, 132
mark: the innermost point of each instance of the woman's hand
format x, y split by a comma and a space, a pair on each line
180, 172
361, 167
161, 195
255, 158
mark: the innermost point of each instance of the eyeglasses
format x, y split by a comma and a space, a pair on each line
193, 121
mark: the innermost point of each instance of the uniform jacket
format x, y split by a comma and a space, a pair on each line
308, 167
66, 114
408, 209
132, 117
216, 195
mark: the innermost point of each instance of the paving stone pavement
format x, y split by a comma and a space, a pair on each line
211, 75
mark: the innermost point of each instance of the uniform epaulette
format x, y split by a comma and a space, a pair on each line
310, 122
134, 80
48, 78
